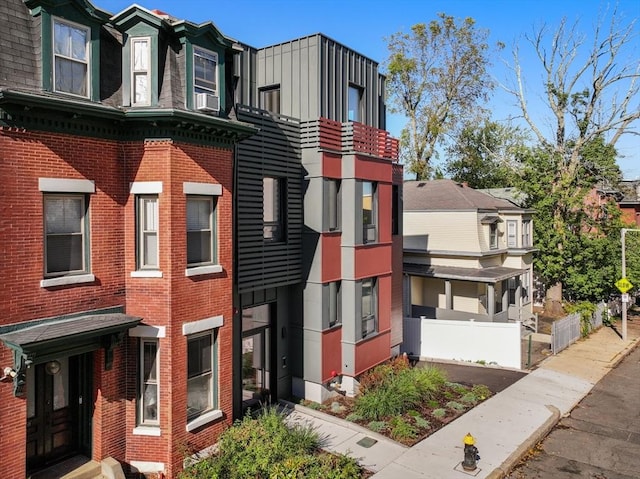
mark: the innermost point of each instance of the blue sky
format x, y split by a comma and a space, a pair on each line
363, 24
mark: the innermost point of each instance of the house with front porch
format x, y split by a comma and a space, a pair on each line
467, 254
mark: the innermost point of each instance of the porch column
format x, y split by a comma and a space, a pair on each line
407, 296
491, 300
448, 298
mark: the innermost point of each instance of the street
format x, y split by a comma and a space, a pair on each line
600, 439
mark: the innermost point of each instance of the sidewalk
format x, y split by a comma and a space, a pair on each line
505, 426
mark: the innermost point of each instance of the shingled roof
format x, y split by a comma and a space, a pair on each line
440, 195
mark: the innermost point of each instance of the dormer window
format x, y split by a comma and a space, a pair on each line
71, 58
140, 71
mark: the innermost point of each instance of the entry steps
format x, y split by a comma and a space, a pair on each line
80, 467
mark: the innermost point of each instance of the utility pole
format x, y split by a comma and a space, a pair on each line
623, 235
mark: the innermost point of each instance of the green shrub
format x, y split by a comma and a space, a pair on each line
401, 430
354, 417
377, 426
456, 406
433, 404
481, 392
265, 447
422, 422
469, 398
586, 311
457, 388
439, 413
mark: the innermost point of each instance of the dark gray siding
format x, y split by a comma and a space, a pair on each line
274, 151
20, 51
314, 74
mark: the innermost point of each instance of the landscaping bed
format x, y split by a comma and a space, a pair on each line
404, 403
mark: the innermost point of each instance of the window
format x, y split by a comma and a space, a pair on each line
200, 231
512, 239
526, 287
354, 112
513, 286
500, 287
270, 99
334, 302
71, 58
493, 236
272, 209
147, 237
140, 74
526, 233
205, 71
200, 374
369, 212
369, 307
65, 218
331, 204
395, 210
148, 400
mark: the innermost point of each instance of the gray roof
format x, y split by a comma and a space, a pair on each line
492, 274
449, 195
631, 191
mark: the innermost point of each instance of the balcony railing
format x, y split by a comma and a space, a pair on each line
349, 137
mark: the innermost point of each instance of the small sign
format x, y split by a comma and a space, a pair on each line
625, 297
624, 285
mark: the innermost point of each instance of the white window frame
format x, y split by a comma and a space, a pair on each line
143, 382
86, 62
193, 330
512, 234
83, 234
525, 286
142, 217
493, 235
142, 72
211, 230
208, 55
526, 233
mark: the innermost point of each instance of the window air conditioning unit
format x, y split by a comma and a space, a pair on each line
207, 102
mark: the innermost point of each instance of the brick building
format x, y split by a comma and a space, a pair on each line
170, 255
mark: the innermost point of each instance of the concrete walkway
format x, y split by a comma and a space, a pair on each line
505, 426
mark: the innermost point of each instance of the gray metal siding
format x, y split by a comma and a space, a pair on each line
274, 151
314, 74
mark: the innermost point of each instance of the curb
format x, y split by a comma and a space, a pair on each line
515, 457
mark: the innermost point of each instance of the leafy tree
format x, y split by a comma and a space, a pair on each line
485, 155
584, 254
590, 100
436, 77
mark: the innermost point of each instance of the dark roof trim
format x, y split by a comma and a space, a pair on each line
490, 275
489, 220
51, 339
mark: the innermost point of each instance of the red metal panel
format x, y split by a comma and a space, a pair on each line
331, 257
331, 353
372, 351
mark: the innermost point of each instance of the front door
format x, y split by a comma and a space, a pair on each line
56, 391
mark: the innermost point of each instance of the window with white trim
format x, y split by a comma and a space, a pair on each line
512, 234
493, 236
147, 229
201, 369
149, 395
205, 71
526, 233
71, 57
201, 231
526, 287
140, 71
369, 307
66, 234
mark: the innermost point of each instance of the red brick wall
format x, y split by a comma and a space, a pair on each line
13, 430
169, 301
25, 157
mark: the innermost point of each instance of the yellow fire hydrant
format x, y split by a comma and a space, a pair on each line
471, 456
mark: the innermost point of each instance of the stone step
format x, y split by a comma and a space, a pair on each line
77, 467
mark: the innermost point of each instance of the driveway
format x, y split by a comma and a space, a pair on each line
494, 378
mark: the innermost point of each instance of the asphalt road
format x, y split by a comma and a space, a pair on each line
601, 437
495, 379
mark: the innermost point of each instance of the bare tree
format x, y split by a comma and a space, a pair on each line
590, 95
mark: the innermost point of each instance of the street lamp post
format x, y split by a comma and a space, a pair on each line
623, 234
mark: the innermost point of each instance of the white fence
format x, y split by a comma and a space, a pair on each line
568, 330
475, 341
